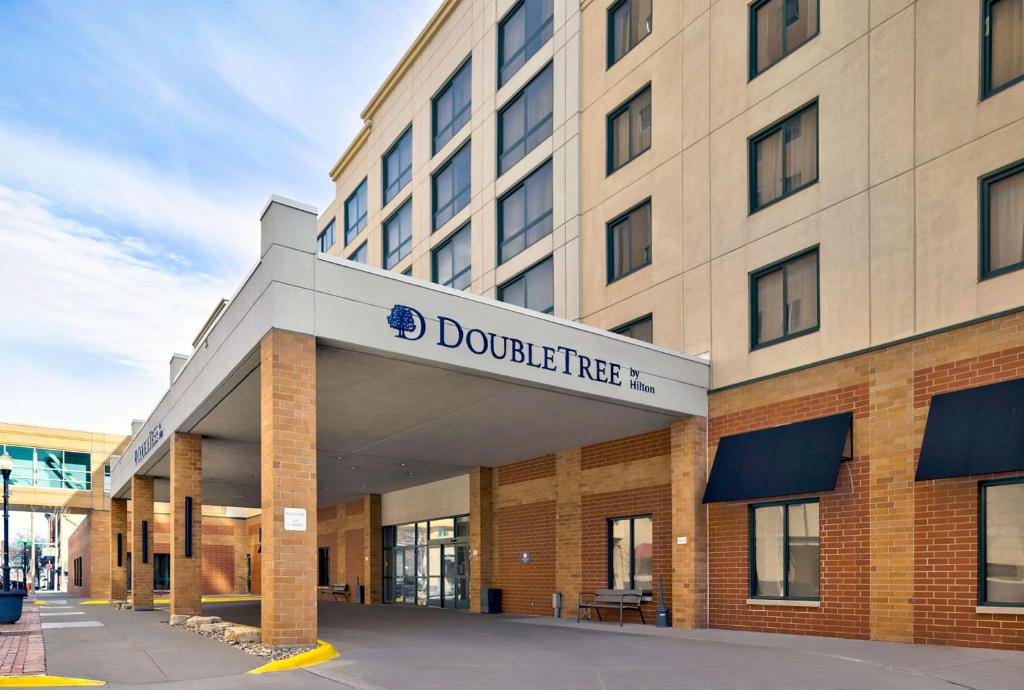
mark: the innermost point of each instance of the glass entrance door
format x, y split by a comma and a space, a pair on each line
427, 563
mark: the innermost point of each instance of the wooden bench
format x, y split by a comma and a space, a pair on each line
620, 600
340, 591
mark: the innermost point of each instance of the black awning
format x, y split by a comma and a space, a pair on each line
791, 459
974, 431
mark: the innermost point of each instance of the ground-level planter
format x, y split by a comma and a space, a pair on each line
10, 606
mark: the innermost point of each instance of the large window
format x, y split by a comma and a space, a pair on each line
784, 550
534, 288
631, 553
325, 240
525, 213
360, 255
526, 120
451, 185
629, 241
106, 479
1002, 220
629, 22
784, 299
427, 563
1002, 45
452, 106
784, 157
522, 32
161, 571
629, 130
639, 329
1002, 543
452, 260
398, 235
355, 212
777, 28
323, 566
50, 469
398, 166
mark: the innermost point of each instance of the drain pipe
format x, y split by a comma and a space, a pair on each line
556, 604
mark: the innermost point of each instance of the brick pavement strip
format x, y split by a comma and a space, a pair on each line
21, 644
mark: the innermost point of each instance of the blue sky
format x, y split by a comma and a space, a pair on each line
138, 144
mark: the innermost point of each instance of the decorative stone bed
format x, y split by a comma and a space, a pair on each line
244, 637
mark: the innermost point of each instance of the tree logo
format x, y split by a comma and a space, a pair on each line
407, 321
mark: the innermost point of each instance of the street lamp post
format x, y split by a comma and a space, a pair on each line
10, 602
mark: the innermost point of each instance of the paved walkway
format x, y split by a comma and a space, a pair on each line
21, 644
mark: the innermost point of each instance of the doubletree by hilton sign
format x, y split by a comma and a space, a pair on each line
410, 324
148, 442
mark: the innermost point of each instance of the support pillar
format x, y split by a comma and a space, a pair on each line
118, 538
288, 615
373, 556
481, 533
568, 529
142, 548
689, 519
186, 524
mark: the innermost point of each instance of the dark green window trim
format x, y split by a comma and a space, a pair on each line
632, 555
464, 149
535, 41
523, 274
770, 268
610, 131
467, 228
326, 239
626, 328
385, 182
771, 129
547, 71
787, 50
985, 218
352, 230
987, 88
608, 231
982, 555
610, 29
394, 255
752, 549
465, 109
364, 252
547, 217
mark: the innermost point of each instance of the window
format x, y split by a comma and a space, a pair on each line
106, 479
1002, 45
452, 106
1002, 543
631, 553
398, 166
360, 255
629, 241
451, 186
784, 158
525, 213
452, 261
355, 212
777, 28
398, 235
51, 469
161, 571
629, 130
323, 566
784, 299
629, 22
526, 120
1002, 220
522, 32
784, 550
77, 570
640, 329
325, 239
534, 288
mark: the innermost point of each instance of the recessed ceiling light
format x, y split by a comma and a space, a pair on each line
353, 467
364, 486
410, 473
403, 464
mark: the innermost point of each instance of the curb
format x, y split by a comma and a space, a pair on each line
321, 653
46, 682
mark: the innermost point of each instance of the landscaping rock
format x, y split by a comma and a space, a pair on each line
178, 620
193, 622
214, 628
242, 634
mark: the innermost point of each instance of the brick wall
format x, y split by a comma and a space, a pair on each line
526, 587
80, 546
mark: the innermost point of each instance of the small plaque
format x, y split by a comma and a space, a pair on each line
524, 557
295, 519
680, 540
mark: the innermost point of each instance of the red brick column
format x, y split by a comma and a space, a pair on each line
288, 463
118, 527
568, 530
481, 533
142, 573
186, 482
689, 519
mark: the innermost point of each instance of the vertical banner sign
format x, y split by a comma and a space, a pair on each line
145, 541
188, 527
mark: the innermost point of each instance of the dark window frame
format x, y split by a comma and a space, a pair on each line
385, 199
526, 41
522, 274
753, 277
982, 549
610, 130
610, 260
621, 328
762, 134
359, 249
323, 566
752, 548
986, 88
361, 221
549, 120
448, 162
632, 556
467, 226
985, 220
329, 228
753, 70
434, 148
499, 222
384, 234
609, 29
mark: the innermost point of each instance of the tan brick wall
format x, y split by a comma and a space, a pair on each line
288, 480
142, 511
99, 528
118, 526
372, 549
80, 546
689, 519
187, 576
568, 529
481, 534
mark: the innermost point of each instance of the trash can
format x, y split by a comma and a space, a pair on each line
490, 600
556, 604
361, 594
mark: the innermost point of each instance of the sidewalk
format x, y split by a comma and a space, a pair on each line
21, 644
